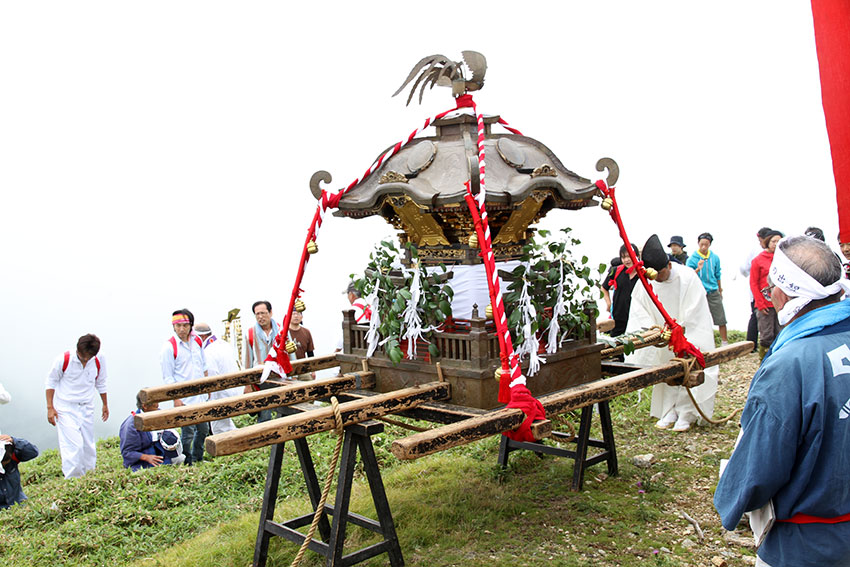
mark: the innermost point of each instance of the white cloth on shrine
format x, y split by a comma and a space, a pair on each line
469, 284
221, 359
683, 296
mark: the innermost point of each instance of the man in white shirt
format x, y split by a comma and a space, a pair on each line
70, 388
182, 359
221, 359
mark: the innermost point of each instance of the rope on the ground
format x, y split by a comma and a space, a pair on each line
320, 508
687, 365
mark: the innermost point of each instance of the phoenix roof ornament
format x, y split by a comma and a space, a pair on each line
441, 71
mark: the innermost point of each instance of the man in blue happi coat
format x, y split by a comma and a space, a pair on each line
13, 450
145, 449
794, 450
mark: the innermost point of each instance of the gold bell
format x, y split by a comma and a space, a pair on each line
299, 305
607, 203
290, 347
312, 247
498, 374
473, 240
651, 273
666, 335
488, 311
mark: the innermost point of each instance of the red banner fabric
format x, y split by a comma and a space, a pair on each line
832, 37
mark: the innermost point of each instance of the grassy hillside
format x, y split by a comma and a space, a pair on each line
455, 508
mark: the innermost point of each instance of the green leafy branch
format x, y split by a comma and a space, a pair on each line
541, 265
395, 282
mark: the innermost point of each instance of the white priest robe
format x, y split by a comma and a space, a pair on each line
683, 296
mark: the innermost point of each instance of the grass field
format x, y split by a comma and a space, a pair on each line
454, 508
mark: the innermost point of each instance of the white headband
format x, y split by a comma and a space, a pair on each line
798, 285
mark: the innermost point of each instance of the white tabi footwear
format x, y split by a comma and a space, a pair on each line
667, 421
681, 426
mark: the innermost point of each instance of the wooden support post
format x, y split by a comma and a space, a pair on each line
322, 419
224, 381
255, 401
494, 422
330, 542
582, 440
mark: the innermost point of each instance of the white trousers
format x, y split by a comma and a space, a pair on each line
75, 425
222, 425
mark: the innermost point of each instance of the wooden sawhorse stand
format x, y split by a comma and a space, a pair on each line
582, 440
332, 535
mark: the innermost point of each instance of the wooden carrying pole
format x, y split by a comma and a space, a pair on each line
473, 429
644, 339
318, 420
225, 381
255, 401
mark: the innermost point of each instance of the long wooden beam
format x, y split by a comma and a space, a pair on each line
649, 337
255, 401
226, 381
473, 429
308, 423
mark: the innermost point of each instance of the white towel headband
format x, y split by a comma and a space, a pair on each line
798, 285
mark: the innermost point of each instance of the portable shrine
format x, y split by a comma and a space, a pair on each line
453, 208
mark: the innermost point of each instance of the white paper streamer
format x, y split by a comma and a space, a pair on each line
411, 318
530, 344
560, 308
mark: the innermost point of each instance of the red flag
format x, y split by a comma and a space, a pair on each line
832, 37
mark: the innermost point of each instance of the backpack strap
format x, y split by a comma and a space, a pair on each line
173, 342
66, 359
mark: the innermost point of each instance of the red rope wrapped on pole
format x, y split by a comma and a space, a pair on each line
512, 386
680, 345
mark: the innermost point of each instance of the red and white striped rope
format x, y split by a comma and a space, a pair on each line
510, 361
329, 201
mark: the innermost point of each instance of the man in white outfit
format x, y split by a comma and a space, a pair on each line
182, 359
683, 296
221, 359
70, 391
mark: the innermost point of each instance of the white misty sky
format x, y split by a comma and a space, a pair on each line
157, 155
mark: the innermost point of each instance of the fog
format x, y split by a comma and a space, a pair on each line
157, 156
